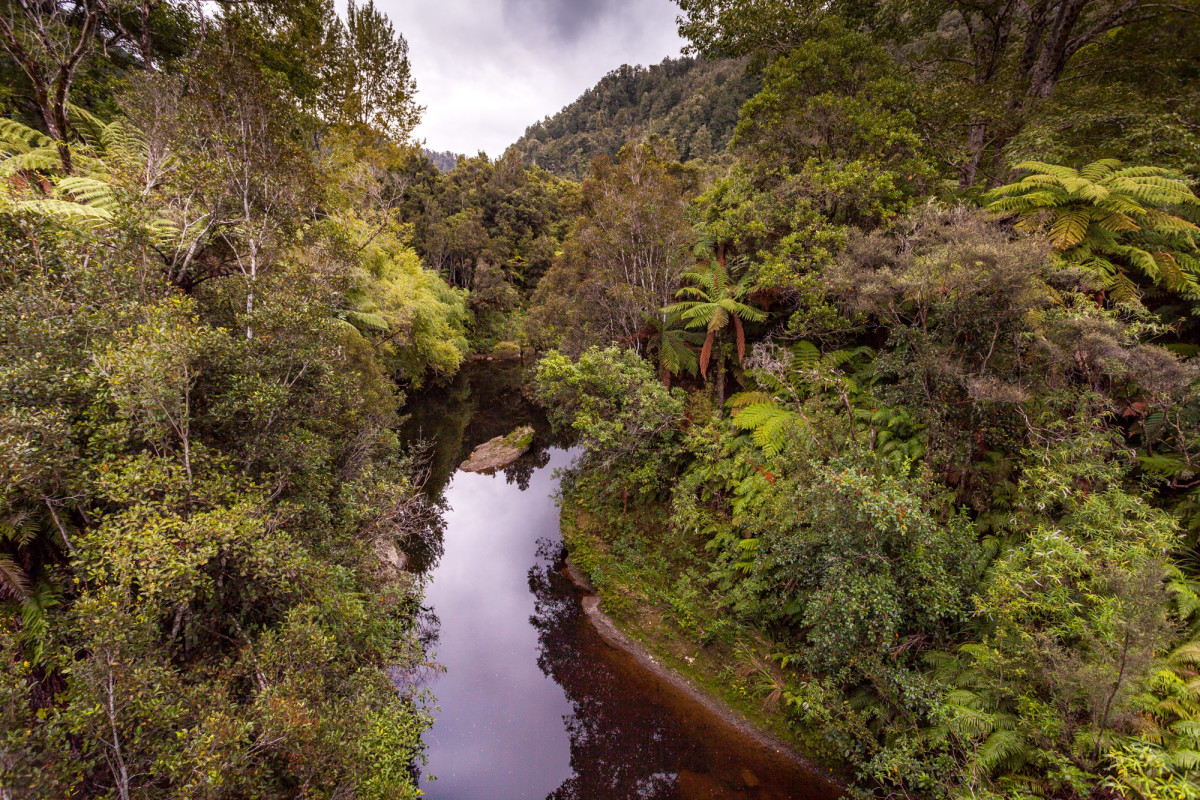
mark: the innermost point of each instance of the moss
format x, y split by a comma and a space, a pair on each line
521, 438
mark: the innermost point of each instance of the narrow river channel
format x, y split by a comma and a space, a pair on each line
531, 702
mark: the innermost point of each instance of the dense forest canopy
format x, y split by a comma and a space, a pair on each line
908, 436
875, 323
693, 103
210, 313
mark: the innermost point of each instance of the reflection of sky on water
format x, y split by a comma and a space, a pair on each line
500, 730
533, 703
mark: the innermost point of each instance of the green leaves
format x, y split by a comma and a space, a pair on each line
712, 304
1110, 219
767, 420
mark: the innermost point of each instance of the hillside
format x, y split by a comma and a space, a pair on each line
443, 160
693, 103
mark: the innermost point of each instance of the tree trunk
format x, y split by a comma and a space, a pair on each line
720, 354
976, 140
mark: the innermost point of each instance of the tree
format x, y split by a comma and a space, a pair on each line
367, 79
838, 116
996, 62
1110, 220
626, 256
715, 303
50, 41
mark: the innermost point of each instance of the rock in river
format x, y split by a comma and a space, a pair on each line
499, 452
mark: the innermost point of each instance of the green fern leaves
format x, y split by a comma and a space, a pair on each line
1110, 220
766, 420
714, 302
89, 198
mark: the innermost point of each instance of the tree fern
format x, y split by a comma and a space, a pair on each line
713, 302
91, 197
675, 346
1110, 220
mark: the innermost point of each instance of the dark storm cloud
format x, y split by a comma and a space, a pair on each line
565, 21
486, 69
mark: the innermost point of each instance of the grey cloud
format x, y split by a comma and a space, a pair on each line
486, 69
565, 21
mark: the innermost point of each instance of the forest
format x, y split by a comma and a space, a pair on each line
875, 327
692, 103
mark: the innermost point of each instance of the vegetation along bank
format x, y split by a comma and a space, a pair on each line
875, 325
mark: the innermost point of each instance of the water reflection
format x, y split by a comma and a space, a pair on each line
532, 702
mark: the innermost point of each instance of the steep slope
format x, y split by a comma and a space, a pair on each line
692, 102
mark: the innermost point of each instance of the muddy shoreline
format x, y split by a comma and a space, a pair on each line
738, 725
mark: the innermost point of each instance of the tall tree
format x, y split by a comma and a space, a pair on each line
626, 257
995, 62
368, 79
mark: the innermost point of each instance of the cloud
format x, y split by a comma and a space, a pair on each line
567, 21
488, 69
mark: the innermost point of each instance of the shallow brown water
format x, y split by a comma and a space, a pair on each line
533, 703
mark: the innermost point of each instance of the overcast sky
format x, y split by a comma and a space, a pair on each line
487, 69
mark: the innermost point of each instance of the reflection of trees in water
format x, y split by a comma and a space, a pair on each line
620, 747
524, 467
481, 403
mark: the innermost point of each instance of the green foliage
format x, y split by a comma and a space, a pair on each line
838, 117
491, 227
625, 257
367, 79
626, 420
1109, 220
417, 321
774, 224
714, 303
691, 103
199, 458
900, 571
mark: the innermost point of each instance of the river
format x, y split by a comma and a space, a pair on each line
530, 702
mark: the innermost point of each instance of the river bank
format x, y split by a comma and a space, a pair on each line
675, 675
728, 671
533, 699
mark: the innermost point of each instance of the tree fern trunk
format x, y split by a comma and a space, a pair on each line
720, 352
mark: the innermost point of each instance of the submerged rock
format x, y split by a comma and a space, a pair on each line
499, 452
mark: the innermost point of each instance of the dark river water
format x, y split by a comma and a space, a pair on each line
530, 702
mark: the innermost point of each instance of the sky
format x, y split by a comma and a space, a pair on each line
487, 69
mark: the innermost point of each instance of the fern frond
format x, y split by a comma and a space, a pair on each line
1070, 228
1116, 221
805, 355
67, 212
1004, 748
1185, 655
17, 137
14, 584
1101, 169
1046, 169
743, 399
43, 159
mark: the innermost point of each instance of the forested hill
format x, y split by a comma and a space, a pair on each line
694, 103
443, 160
